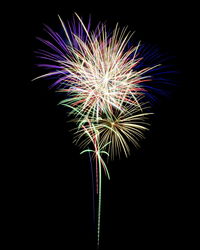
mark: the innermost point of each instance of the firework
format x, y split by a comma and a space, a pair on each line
105, 90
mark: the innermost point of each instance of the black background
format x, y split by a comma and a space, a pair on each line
149, 201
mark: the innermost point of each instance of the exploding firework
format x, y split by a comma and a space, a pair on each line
104, 87
117, 128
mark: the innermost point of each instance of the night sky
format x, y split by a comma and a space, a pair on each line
149, 200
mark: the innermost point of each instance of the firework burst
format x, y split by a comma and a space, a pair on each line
118, 128
104, 89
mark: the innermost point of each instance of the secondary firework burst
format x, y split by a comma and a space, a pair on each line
103, 88
119, 128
